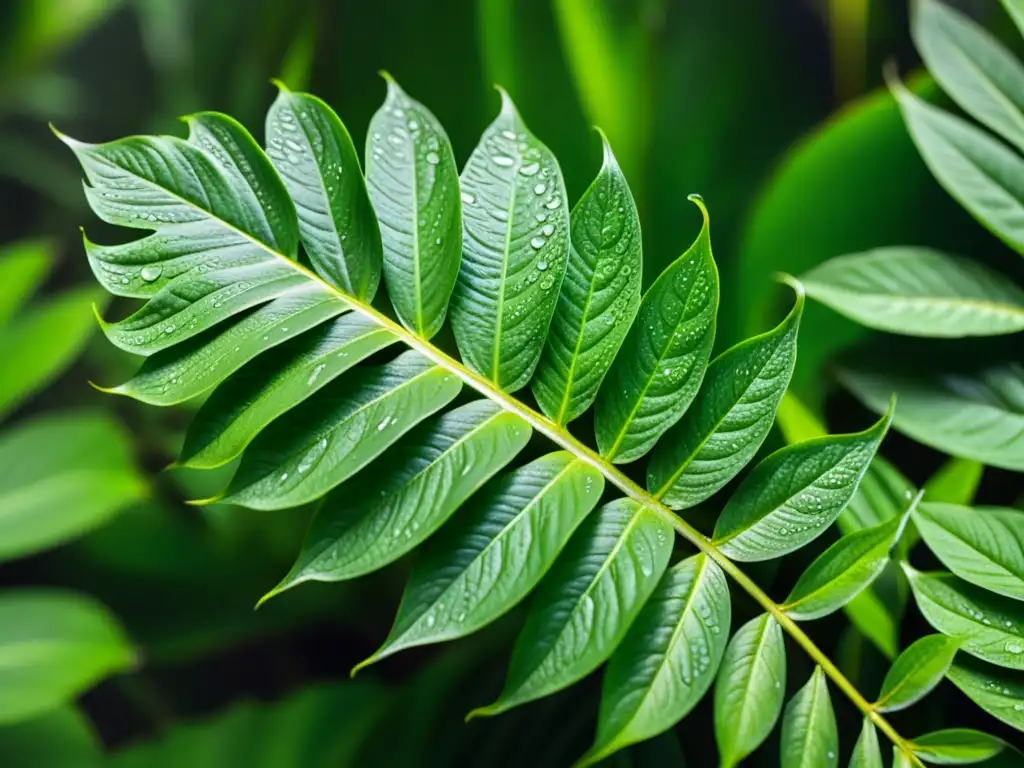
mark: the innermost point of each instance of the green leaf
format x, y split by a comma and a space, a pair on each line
883, 494
514, 251
668, 659
53, 646
1016, 10
414, 186
971, 416
809, 732
493, 552
750, 689
333, 435
916, 672
792, 496
585, 604
843, 571
23, 268
988, 626
311, 149
662, 363
60, 476
980, 74
600, 296
957, 746
363, 528
282, 378
955, 482
998, 692
866, 752
729, 419
61, 737
918, 292
980, 172
982, 546
873, 619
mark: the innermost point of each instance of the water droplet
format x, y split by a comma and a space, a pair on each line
169, 329
384, 423
540, 189
537, 243
430, 620
530, 170
433, 158
315, 374
1014, 647
548, 230
542, 265
503, 160
509, 135
553, 203
468, 199
413, 125
150, 273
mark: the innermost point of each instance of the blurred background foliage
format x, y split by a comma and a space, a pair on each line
772, 110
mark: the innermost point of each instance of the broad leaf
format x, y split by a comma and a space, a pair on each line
514, 251
918, 292
985, 625
792, 496
750, 689
729, 419
333, 435
493, 552
368, 523
313, 152
883, 494
668, 659
61, 476
23, 268
976, 417
867, 753
982, 546
585, 604
997, 691
599, 298
53, 646
414, 186
661, 365
957, 746
916, 672
809, 734
61, 737
980, 74
843, 571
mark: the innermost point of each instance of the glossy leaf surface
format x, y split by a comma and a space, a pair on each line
957, 746
809, 733
867, 753
997, 691
916, 671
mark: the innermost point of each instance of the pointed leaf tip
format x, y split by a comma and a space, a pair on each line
697, 200
280, 85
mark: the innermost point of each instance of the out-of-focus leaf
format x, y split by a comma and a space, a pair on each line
41, 29
61, 738
955, 482
23, 267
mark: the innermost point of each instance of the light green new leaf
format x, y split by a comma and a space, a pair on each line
916, 671
339, 431
876, 621
957, 746
599, 298
750, 689
918, 292
1016, 10
657, 373
795, 494
867, 753
810, 736
23, 268
514, 250
668, 659
982, 546
311, 149
414, 186
282, 378
883, 494
980, 172
974, 68
729, 419
988, 626
974, 417
585, 604
53, 646
493, 552
60, 476
995, 690
955, 482
843, 571
372, 522
62, 737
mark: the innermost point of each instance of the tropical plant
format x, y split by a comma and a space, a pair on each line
260, 276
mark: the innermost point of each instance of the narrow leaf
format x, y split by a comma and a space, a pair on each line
810, 736
729, 419
668, 659
883, 495
876, 621
750, 689
955, 482
795, 494
916, 672
867, 753
661, 365
918, 292
585, 604
1016, 10
982, 546
414, 186
995, 690
363, 528
988, 626
493, 552
313, 152
599, 298
339, 431
514, 251
23, 268
957, 746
